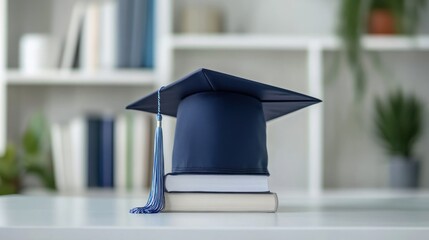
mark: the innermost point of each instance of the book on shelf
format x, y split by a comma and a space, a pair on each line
220, 202
106, 152
70, 48
149, 49
125, 9
132, 152
102, 151
78, 144
90, 37
110, 34
138, 32
216, 183
57, 155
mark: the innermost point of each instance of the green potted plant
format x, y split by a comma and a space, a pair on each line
9, 171
358, 17
36, 151
399, 123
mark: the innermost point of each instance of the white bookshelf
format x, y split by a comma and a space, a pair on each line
64, 78
3, 66
171, 47
125, 83
285, 42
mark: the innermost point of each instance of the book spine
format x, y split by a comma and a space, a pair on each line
93, 151
124, 32
149, 53
90, 39
216, 202
139, 23
73, 34
120, 170
129, 150
138, 152
78, 154
67, 158
57, 153
106, 152
147, 151
108, 34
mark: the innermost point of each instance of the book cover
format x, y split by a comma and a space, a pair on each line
149, 47
216, 183
67, 157
78, 156
220, 202
108, 34
106, 152
120, 159
129, 150
72, 36
93, 150
125, 9
90, 38
138, 33
139, 159
57, 154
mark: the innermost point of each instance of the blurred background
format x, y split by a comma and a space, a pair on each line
68, 68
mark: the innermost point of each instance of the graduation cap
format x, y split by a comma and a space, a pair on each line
220, 128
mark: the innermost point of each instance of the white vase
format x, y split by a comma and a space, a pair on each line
404, 172
38, 52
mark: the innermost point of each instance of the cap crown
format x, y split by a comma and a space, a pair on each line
220, 133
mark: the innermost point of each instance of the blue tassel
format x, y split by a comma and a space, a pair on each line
155, 202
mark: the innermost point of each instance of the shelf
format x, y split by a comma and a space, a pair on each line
58, 217
239, 42
61, 77
281, 42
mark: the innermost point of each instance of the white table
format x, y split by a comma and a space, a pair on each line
106, 217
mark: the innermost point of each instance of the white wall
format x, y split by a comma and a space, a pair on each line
353, 155
309, 17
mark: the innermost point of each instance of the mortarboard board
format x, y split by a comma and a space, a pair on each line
220, 128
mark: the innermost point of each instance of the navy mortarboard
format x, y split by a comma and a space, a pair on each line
220, 141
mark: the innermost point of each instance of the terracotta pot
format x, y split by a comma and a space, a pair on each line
381, 21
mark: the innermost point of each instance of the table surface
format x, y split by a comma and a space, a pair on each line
390, 216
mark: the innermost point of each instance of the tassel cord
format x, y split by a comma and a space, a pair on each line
155, 202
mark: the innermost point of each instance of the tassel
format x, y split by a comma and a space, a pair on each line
155, 202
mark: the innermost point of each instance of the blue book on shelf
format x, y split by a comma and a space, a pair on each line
138, 39
125, 10
106, 152
149, 42
93, 150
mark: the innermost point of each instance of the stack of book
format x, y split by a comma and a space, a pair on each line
99, 151
110, 34
218, 193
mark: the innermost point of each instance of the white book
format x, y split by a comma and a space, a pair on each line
216, 183
220, 202
72, 37
140, 166
67, 158
57, 153
78, 156
108, 34
90, 39
120, 169
147, 149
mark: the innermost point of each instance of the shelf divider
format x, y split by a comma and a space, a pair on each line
76, 77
